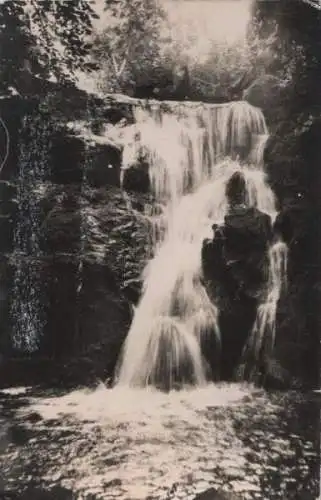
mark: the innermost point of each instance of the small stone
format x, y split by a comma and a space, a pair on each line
33, 417
113, 483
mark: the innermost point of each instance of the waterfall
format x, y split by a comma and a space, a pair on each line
28, 293
263, 331
192, 150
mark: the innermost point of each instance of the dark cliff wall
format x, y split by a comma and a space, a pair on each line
292, 160
62, 213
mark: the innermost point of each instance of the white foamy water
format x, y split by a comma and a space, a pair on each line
264, 328
192, 151
146, 441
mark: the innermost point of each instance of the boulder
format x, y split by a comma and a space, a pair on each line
234, 267
215, 494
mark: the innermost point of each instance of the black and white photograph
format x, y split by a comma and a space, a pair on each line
160, 249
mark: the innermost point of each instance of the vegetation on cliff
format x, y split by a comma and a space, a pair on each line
41, 40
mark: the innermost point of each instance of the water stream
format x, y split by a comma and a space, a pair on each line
192, 151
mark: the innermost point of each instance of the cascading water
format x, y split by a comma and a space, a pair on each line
192, 151
263, 332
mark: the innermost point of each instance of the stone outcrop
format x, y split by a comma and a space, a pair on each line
232, 267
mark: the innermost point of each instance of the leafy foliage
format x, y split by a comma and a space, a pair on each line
300, 27
231, 68
44, 38
128, 48
139, 48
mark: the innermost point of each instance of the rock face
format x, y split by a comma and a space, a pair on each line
70, 154
94, 248
292, 166
89, 243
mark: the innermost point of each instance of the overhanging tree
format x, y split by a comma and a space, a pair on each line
127, 50
42, 39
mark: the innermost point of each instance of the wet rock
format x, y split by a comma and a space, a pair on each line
18, 435
61, 230
7, 233
9, 208
214, 494
33, 417
132, 290
276, 376
104, 318
136, 178
8, 202
113, 483
6, 276
61, 308
67, 159
85, 326
55, 493
8, 191
24, 371
77, 159
103, 166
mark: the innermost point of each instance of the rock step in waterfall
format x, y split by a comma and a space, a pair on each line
191, 152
